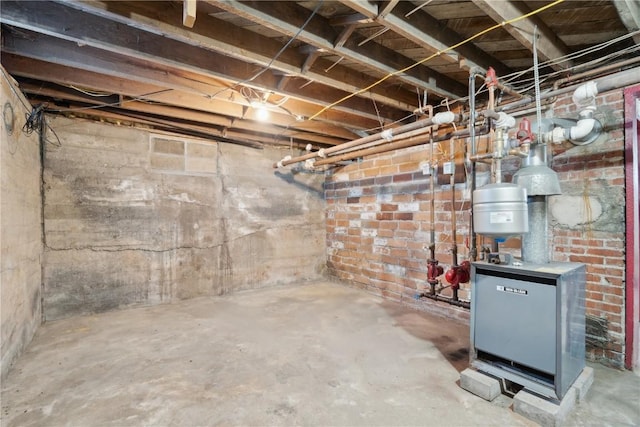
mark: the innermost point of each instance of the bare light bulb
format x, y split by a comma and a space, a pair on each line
262, 114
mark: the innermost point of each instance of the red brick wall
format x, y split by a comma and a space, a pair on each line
595, 174
378, 222
378, 226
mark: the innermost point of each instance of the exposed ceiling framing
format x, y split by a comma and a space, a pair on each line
203, 67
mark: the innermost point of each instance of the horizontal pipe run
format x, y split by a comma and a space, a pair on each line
405, 135
421, 139
356, 142
448, 300
619, 80
614, 81
509, 91
586, 74
405, 143
397, 134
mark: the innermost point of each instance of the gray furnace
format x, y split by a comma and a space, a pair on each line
528, 324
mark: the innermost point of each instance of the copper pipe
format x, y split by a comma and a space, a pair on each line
595, 71
405, 143
452, 180
398, 134
405, 135
482, 130
506, 89
452, 301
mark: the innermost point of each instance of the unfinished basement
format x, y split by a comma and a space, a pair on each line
324, 213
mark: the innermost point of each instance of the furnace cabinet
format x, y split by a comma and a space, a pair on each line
528, 324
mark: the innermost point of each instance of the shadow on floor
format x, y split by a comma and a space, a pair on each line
449, 336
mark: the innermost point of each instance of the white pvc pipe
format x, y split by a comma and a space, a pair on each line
585, 94
581, 129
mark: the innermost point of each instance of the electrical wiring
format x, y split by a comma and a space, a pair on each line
422, 61
276, 56
36, 121
112, 104
507, 79
33, 120
513, 76
592, 49
595, 48
590, 64
90, 93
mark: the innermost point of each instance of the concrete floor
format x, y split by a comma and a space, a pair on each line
315, 354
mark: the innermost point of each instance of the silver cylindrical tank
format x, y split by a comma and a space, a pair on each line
500, 210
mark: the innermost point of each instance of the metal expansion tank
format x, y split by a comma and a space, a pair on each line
500, 210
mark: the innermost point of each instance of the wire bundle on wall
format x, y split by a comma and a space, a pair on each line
36, 121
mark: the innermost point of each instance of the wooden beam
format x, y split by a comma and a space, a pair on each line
351, 19
386, 7
79, 77
188, 13
176, 116
428, 32
287, 18
89, 30
308, 62
629, 12
225, 43
549, 45
38, 46
344, 35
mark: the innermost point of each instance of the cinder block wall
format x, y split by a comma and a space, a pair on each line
136, 218
378, 224
20, 227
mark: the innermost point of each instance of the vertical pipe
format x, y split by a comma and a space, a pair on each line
454, 236
536, 75
534, 243
432, 230
497, 155
433, 263
472, 141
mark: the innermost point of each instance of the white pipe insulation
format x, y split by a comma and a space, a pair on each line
443, 118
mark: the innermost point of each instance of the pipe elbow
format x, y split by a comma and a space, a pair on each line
309, 164
585, 131
583, 128
585, 94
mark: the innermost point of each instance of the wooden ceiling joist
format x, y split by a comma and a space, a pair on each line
289, 18
363, 64
75, 77
549, 46
94, 31
225, 42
